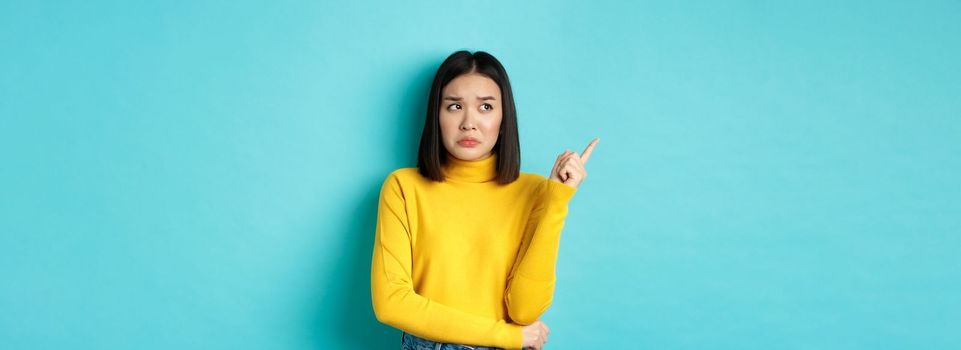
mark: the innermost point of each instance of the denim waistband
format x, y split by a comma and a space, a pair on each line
412, 342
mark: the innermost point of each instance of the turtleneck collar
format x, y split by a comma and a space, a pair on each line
471, 170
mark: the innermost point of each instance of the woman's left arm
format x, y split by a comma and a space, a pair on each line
530, 285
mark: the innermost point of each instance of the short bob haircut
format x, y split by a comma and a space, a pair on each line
432, 156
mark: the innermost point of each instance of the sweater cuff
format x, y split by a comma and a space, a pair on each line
510, 337
558, 192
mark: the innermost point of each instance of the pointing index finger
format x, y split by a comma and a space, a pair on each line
589, 150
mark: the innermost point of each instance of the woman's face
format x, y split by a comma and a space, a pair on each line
470, 107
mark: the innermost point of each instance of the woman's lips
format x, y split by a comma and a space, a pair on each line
468, 143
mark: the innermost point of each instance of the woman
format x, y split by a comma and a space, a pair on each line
466, 244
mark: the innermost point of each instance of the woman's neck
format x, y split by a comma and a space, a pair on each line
460, 170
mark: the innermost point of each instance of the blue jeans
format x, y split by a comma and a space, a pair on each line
412, 342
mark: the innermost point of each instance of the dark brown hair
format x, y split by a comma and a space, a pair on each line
432, 155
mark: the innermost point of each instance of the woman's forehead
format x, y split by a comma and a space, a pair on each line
471, 85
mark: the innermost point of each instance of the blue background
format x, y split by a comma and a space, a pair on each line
187, 174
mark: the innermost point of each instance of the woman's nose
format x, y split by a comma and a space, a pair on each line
467, 123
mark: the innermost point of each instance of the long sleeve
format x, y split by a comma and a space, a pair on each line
397, 304
530, 286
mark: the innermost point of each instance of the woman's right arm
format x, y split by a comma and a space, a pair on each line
397, 304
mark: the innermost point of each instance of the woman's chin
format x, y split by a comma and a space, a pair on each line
469, 154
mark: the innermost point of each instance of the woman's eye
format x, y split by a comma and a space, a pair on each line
451, 106
487, 107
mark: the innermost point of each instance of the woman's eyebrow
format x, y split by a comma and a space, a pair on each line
458, 98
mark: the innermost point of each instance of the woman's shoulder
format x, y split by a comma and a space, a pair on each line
533, 177
412, 177
403, 175
398, 181
531, 180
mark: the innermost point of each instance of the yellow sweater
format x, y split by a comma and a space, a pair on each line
466, 260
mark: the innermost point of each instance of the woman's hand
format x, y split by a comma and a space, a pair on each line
535, 335
569, 166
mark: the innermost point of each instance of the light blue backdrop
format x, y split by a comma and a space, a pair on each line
186, 175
